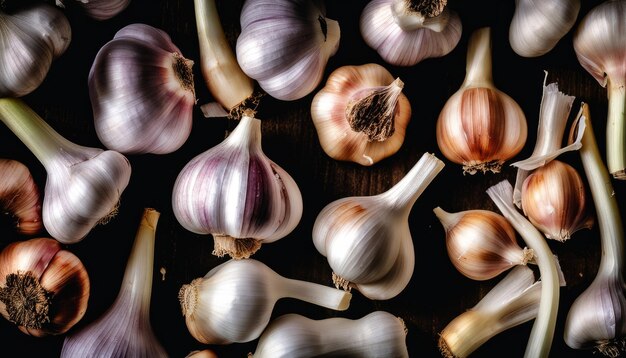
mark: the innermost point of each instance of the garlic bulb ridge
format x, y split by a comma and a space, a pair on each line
98, 9
19, 197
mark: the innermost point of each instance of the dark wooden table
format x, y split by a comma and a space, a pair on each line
437, 292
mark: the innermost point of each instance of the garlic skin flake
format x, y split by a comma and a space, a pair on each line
30, 39
234, 301
290, 63
405, 32
361, 114
19, 197
376, 335
142, 92
237, 194
98, 9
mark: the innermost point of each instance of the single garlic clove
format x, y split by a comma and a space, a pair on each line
20, 197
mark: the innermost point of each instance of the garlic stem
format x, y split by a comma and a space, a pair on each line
320, 295
479, 65
615, 129
542, 332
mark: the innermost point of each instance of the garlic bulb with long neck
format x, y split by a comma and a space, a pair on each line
376, 335
237, 194
124, 329
234, 301
366, 239
405, 32
44, 289
361, 114
83, 185
31, 38
480, 127
538, 25
290, 63
19, 197
98, 9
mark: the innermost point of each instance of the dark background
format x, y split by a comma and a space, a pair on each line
437, 292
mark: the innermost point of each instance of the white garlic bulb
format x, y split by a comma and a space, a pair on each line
361, 114
237, 194
30, 39
234, 301
98, 9
538, 25
290, 63
366, 239
376, 335
142, 92
404, 32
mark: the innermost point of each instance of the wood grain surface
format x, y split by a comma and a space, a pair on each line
437, 292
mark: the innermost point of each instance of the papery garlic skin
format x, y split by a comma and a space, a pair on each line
20, 197
289, 64
44, 289
234, 301
235, 193
98, 9
332, 112
30, 38
538, 25
403, 36
376, 335
142, 92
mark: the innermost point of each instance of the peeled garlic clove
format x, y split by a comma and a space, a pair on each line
290, 63
554, 200
235, 193
481, 244
142, 92
376, 335
19, 196
234, 301
44, 289
361, 114
98, 9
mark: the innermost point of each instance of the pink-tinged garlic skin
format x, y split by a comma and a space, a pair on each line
20, 196
99, 9
554, 200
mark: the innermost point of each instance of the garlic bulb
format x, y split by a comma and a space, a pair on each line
361, 114
554, 200
142, 92
480, 127
124, 329
44, 289
366, 239
290, 63
205, 353
538, 25
235, 193
481, 244
233, 302
376, 335
404, 32
19, 197
30, 38
98, 9
84, 184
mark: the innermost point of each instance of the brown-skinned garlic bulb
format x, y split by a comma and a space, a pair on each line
290, 63
361, 114
142, 92
376, 335
19, 197
366, 239
234, 301
405, 32
480, 127
31, 38
44, 289
98, 9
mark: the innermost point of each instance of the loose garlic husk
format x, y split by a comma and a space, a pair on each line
98, 9
366, 239
405, 32
538, 25
142, 92
290, 63
44, 289
237, 194
480, 127
124, 329
481, 244
30, 39
376, 335
361, 114
234, 301
19, 197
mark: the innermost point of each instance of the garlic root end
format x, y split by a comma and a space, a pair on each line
611, 348
444, 349
188, 297
342, 283
236, 248
472, 168
108, 217
27, 302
